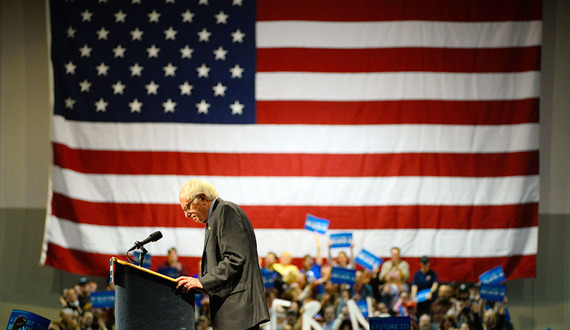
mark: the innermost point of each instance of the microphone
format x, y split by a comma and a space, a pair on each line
152, 238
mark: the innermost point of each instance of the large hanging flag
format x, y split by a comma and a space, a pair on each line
406, 123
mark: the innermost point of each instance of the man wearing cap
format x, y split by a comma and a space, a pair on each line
424, 279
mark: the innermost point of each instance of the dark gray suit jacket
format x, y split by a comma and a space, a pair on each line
230, 269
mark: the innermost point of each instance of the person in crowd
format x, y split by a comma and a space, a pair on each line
400, 308
447, 323
424, 279
292, 317
395, 263
172, 267
393, 287
272, 279
462, 308
312, 266
342, 261
329, 316
381, 310
84, 294
361, 289
70, 300
442, 304
288, 271
230, 271
424, 322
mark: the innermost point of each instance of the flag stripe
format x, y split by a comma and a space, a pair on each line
300, 34
316, 190
294, 139
414, 242
399, 112
467, 269
389, 86
281, 165
398, 60
293, 217
375, 10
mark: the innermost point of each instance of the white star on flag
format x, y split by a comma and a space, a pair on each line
237, 108
219, 89
151, 88
186, 88
203, 107
169, 106
135, 106
101, 105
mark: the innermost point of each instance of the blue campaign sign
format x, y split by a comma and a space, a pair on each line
494, 292
343, 275
103, 299
493, 276
363, 306
390, 323
319, 225
146, 262
368, 260
20, 319
422, 295
341, 240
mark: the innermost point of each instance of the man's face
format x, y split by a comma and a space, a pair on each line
395, 255
198, 212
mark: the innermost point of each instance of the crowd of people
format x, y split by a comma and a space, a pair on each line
291, 291
77, 312
387, 291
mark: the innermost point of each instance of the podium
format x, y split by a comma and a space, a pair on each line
148, 300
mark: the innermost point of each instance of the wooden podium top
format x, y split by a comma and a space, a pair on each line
115, 261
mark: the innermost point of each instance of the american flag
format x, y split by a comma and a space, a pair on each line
407, 123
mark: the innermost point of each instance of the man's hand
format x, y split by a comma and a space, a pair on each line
187, 283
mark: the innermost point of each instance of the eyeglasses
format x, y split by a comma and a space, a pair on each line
186, 208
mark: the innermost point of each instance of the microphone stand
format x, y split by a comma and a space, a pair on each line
144, 252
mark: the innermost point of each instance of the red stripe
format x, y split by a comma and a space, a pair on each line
399, 112
293, 217
448, 269
388, 10
398, 60
287, 165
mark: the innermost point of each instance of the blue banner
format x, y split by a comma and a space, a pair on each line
368, 260
341, 240
363, 306
390, 323
103, 299
493, 276
268, 278
27, 320
318, 225
494, 292
343, 275
146, 262
422, 295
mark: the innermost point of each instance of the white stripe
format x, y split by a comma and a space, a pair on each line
322, 191
320, 139
446, 243
278, 34
396, 86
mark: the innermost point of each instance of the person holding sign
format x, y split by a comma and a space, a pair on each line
230, 271
425, 281
342, 260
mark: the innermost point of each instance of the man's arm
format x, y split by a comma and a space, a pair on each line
233, 243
